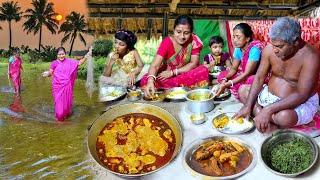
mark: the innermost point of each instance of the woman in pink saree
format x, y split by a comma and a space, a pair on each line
64, 72
176, 62
14, 71
247, 55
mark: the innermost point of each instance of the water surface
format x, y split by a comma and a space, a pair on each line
32, 144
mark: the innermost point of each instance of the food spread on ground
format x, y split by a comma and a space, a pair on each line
222, 95
227, 124
109, 96
134, 93
177, 94
220, 158
110, 93
135, 143
200, 96
291, 156
155, 97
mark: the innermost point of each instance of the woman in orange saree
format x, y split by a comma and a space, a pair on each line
176, 62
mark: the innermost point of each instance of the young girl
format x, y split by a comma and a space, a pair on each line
64, 72
217, 57
124, 63
14, 71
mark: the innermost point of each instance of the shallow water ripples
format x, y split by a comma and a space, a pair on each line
34, 146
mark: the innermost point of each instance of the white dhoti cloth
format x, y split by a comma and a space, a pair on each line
305, 111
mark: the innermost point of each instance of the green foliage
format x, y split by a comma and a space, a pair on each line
49, 53
10, 11
6, 53
205, 29
9, 52
41, 14
99, 63
34, 56
24, 49
74, 26
148, 49
102, 47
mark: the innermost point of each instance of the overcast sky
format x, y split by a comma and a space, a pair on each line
19, 37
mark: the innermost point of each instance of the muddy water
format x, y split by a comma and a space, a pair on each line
32, 144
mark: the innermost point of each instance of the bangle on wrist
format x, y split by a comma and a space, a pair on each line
176, 71
225, 79
231, 82
153, 76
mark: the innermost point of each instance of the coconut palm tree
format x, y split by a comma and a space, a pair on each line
10, 11
73, 26
41, 14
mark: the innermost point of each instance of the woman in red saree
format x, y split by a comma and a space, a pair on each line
64, 72
14, 71
247, 55
177, 59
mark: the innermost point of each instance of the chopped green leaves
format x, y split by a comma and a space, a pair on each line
291, 157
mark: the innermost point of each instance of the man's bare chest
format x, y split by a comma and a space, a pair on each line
288, 70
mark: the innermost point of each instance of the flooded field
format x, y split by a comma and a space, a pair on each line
32, 144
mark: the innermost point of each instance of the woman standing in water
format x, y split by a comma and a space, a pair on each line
14, 71
64, 72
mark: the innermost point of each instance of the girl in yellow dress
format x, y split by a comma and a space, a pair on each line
124, 64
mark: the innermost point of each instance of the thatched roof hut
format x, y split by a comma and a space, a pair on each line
154, 17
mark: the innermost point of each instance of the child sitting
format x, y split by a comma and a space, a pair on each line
217, 57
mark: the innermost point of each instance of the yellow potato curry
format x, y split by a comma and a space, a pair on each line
135, 143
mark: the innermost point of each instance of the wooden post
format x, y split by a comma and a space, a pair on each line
149, 30
119, 23
165, 25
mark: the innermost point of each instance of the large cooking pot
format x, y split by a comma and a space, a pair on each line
200, 100
119, 110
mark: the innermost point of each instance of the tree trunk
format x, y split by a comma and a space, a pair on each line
10, 34
74, 37
40, 36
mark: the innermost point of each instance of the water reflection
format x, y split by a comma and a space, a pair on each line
32, 144
16, 105
15, 109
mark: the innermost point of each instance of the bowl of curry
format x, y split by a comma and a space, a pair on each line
220, 157
133, 140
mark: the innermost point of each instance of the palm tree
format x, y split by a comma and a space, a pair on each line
73, 26
9, 11
42, 14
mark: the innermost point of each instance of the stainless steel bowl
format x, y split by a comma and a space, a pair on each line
191, 148
215, 71
198, 118
134, 95
119, 110
176, 93
281, 137
200, 106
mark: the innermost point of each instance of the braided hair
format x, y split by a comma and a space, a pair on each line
128, 37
